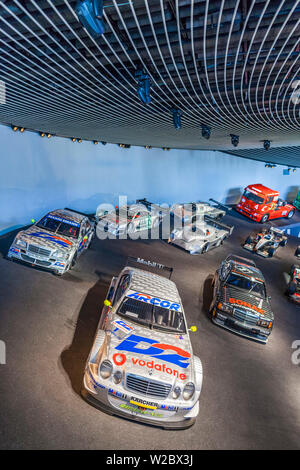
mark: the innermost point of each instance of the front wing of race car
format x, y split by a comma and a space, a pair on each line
117, 401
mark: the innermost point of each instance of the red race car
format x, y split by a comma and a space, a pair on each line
260, 203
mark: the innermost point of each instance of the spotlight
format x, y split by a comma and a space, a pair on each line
73, 139
80, 140
42, 134
206, 131
124, 146
95, 142
14, 128
176, 118
148, 147
294, 170
144, 86
90, 15
103, 143
165, 148
234, 140
267, 144
48, 135
22, 129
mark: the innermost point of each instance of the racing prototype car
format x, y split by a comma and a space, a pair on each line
240, 302
188, 211
293, 289
266, 242
54, 242
200, 236
129, 219
141, 365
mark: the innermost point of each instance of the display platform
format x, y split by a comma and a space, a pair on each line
250, 397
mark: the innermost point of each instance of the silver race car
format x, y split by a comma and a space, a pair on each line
54, 242
201, 236
188, 211
141, 365
266, 242
129, 219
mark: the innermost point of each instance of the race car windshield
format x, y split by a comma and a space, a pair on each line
57, 226
152, 315
254, 287
253, 197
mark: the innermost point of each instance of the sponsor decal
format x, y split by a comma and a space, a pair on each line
143, 403
52, 238
246, 304
148, 299
121, 395
140, 411
60, 219
59, 264
159, 367
169, 407
119, 359
179, 356
123, 326
14, 250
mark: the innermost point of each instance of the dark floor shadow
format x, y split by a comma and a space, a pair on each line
233, 196
207, 294
7, 239
74, 357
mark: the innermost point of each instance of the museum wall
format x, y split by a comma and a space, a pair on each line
39, 174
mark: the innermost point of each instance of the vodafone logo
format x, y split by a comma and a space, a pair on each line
119, 359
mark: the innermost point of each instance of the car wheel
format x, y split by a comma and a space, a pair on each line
74, 259
292, 288
249, 241
297, 252
290, 214
264, 219
205, 248
283, 242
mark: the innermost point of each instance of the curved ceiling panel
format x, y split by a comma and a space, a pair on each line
230, 65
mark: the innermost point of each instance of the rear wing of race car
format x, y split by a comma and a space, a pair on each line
220, 225
149, 204
220, 205
150, 264
240, 259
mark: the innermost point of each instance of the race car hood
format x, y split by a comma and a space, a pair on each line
150, 353
113, 221
240, 299
46, 239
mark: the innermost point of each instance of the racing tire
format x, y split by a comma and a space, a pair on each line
283, 242
271, 252
264, 219
297, 252
205, 248
291, 288
290, 214
73, 262
248, 241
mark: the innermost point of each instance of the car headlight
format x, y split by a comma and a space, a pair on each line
61, 254
21, 242
225, 308
106, 369
188, 391
265, 323
176, 393
117, 377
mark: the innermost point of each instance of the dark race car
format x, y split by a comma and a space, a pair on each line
293, 289
240, 302
266, 242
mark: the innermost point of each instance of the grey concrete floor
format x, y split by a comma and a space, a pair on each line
251, 392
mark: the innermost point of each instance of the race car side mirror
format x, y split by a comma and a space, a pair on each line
33, 221
107, 303
193, 329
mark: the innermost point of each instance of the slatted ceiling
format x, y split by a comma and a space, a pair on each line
227, 64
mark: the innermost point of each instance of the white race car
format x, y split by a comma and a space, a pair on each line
141, 365
201, 236
189, 211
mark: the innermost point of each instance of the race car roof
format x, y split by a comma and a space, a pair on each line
246, 270
154, 285
68, 214
260, 188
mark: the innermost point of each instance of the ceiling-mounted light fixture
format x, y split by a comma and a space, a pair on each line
73, 139
42, 134
176, 117
205, 130
148, 147
124, 146
294, 170
235, 140
79, 141
90, 15
144, 86
267, 144
48, 135
165, 148
95, 142
103, 143
14, 128
22, 129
